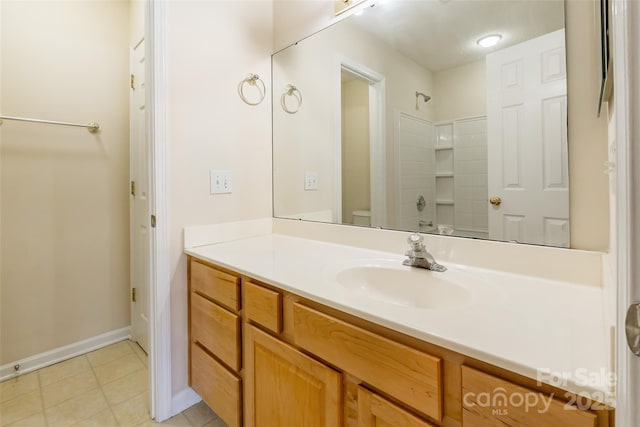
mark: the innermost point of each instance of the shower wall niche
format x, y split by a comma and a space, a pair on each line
445, 191
461, 175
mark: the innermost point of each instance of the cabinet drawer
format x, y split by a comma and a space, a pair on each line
492, 401
263, 306
407, 374
219, 388
216, 329
375, 411
215, 284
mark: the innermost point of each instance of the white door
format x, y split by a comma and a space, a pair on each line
139, 205
527, 142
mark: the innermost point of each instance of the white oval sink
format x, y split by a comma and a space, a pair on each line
404, 286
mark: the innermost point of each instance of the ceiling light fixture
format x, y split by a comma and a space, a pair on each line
490, 40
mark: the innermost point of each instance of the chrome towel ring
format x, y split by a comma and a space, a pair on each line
294, 92
252, 80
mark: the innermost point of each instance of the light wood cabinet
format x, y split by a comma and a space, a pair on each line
263, 357
222, 287
409, 375
375, 411
285, 387
216, 329
218, 387
491, 401
215, 339
263, 306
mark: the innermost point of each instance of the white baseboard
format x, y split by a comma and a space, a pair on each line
183, 400
59, 354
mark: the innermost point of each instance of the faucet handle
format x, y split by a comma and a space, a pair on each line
415, 240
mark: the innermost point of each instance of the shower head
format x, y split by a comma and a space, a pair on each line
424, 96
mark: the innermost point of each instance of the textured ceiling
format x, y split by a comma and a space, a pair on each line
441, 34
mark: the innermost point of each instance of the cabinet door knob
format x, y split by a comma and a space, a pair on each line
495, 201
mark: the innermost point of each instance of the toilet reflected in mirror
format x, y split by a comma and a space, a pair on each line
361, 218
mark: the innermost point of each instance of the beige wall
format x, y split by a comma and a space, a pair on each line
588, 146
64, 200
136, 19
294, 20
587, 134
356, 186
211, 47
461, 92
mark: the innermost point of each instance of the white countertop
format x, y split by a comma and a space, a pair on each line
519, 323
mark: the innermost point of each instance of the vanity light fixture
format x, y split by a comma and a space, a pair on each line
490, 40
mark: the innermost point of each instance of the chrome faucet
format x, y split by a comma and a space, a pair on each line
418, 255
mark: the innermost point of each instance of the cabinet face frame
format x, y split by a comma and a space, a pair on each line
261, 344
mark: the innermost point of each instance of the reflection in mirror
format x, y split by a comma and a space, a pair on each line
415, 120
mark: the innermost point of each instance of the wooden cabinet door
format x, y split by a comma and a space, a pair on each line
489, 401
287, 388
375, 411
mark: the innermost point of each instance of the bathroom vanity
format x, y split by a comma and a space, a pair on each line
285, 331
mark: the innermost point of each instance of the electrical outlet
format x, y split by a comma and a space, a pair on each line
221, 181
310, 181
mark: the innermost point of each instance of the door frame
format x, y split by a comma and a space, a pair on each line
626, 42
160, 284
377, 149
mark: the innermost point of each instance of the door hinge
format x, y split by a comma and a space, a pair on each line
133, 188
133, 82
153, 221
133, 294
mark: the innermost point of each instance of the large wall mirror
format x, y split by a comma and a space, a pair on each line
439, 116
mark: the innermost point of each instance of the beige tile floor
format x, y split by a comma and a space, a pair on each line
104, 388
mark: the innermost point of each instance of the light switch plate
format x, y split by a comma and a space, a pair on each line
310, 181
221, 181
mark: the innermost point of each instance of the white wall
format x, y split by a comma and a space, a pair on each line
64, 199
211, 47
